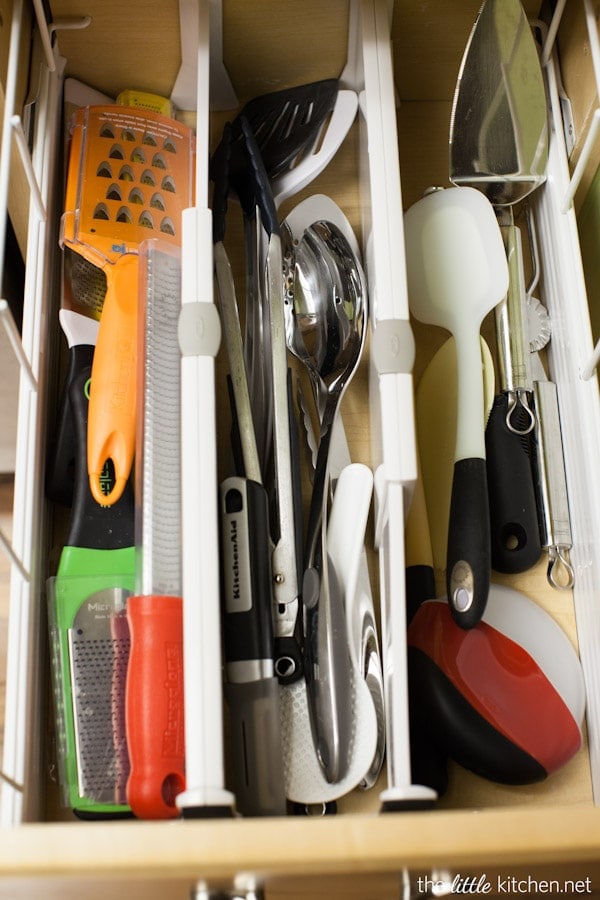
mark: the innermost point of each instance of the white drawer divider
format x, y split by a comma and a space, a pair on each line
390, 384
22, 770
579, 401
199, 334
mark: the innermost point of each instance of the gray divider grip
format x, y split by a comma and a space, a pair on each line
199, 329
393, 347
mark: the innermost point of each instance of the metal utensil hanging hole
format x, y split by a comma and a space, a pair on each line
560, 572
519, 409
285, 667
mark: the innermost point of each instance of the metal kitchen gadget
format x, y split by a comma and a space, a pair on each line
328, 331
154, 698
499, 145
345, 536
129, 177
306, 783
457, 273
549, 463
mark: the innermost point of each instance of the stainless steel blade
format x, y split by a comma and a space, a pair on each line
158, 536
284, 555
499, 121
499, 145
237, 370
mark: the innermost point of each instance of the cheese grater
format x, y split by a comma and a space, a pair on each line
98, 665
129, 178
94, 577
154, 700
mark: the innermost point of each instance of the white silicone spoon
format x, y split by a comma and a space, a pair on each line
457, 272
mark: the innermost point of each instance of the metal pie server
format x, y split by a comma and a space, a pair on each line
499, 145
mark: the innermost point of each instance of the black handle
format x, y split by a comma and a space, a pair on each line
468, 561
92, 525
429, 763
247, 585
420, 586
60, 466
219, 172
255, 189
514, 526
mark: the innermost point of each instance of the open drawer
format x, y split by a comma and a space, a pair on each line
395, 150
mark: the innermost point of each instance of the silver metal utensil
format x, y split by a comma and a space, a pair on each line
551, 478
329, 328
346, 551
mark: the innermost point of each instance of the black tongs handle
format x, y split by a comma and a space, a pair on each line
255, 191
220, 173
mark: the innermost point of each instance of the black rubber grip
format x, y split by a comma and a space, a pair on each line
263, 195
60, 467
514, 526
429, 763
219, 172
248, 597
94, 526
420, 586
468, 561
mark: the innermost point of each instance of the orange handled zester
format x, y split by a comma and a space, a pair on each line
129, 178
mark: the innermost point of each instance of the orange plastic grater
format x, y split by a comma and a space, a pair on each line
129, 178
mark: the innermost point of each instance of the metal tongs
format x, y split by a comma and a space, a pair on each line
249, 180
250, 553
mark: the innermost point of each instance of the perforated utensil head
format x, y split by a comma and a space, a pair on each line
286, 123
98, 659
130, 177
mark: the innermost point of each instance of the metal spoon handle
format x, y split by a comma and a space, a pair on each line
327, 664
317, 511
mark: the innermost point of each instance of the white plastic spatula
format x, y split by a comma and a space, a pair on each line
457, 272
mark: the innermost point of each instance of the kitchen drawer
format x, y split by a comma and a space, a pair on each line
396, 149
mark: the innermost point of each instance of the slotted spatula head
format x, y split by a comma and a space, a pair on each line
286, 123
499, 122
130, 177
